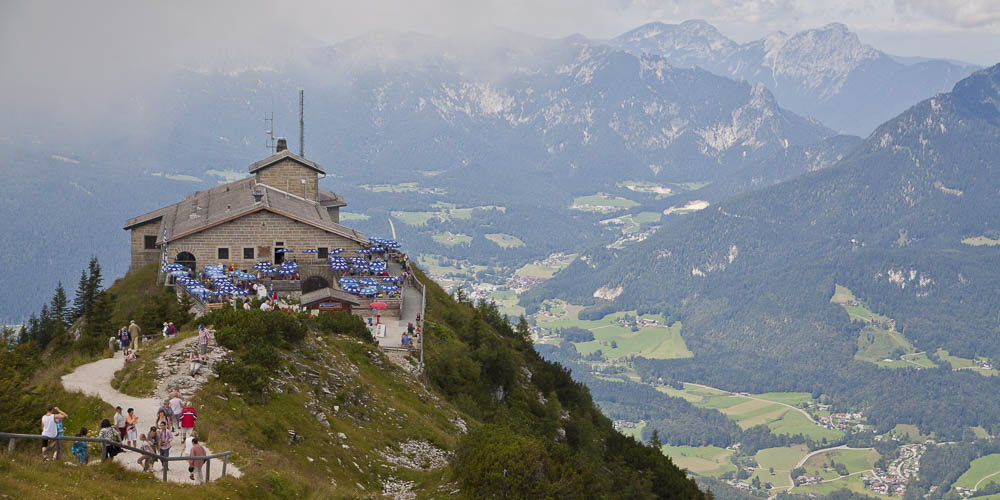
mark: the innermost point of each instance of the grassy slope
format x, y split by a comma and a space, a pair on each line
375, 405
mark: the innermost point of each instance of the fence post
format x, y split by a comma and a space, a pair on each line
164, 466
225, 462
208, 470
10, 447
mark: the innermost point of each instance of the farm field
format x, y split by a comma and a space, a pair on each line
504, 240
451, 239
689, 207
702, 460
443, 211
507, 301
403, 187
440, 265
879, 342
852, 482
978, 241
854, 460
647, 187
958, 363
747, 412
909, 431
782, 460
632, 223
548, 267
601, 202
615, 340
346, 216
982, 471
635, 432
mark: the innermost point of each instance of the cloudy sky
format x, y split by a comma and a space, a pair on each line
80, 58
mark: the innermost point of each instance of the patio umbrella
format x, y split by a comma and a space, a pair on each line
178, 274
310, 250
368, 290
335, 251
351, 288
379, 305
285, 250
391, 244
367, 282
262, 264
389, 288
174, 267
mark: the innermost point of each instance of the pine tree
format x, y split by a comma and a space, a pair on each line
31, 330
522, 329
94, 278
80, 303
654, 440
46, 327
59, 306
98, 327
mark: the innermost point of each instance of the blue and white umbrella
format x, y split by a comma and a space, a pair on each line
389, 288
178, 274
310, 250
368, 290
174, 267
377, 267
338, 265
367, 282
391, 244
351, 288
347, 279
285, 250
264, 264
335, 251
391, 279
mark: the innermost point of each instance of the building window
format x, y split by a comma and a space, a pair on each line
322, 252
224, 253
149, 242
248, 253
279, 243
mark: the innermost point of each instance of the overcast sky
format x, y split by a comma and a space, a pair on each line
80, 57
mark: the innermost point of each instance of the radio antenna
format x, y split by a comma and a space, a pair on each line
302, 123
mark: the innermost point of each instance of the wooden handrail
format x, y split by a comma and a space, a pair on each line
107, 442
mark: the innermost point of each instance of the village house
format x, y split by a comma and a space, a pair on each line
272, 215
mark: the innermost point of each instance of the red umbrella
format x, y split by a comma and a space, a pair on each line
379, 305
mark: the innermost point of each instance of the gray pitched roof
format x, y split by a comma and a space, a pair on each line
327, 293
205, 209
286, 154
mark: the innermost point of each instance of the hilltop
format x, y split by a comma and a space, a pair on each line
310, 408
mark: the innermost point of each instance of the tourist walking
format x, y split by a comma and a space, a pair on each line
131, 427
194, 466
81, 449
145, 460
110, 434
173, 329
165, 439
51, 430
176, 405
168, 416
188, 416
203, 338
166, 329
120, 422
133, 331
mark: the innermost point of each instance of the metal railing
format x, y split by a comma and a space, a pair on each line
105, 443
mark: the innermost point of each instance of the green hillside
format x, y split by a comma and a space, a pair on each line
751, 279
506, 422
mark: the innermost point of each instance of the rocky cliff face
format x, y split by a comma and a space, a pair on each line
826, 73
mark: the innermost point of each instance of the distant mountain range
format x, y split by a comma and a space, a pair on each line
824, 73
907, 220
527, 125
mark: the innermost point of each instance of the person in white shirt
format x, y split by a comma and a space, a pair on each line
51, 430
176, 405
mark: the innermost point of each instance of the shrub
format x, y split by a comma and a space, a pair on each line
344, 323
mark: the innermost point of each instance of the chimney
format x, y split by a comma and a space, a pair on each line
282, 145
257, 195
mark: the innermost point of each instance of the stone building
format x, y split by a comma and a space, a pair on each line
240, 223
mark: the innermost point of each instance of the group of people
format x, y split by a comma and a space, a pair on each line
127, 338
174, 416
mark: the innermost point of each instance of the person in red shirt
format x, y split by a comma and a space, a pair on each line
188, 416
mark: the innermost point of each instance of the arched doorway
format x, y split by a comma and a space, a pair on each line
186, 259
313, 283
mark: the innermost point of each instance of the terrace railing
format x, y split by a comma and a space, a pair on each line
105, 443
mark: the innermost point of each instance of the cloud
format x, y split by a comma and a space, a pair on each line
960, 13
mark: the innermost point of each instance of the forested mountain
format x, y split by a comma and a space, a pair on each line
522, 123
906, 220
825, 73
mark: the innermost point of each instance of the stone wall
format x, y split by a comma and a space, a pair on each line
140, 255
287, 175
260, 231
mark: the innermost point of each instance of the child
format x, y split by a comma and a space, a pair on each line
145, 460
81, 449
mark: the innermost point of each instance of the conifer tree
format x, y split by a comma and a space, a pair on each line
98, 326
59, 306
31, 330
46, 327
94, 278
522, 329
81, 301
654, 440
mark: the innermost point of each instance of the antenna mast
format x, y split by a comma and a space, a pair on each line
269, 126
302, 123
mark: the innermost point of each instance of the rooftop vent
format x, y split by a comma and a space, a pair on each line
257, 195
282, 145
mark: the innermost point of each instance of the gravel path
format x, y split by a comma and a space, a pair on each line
95, 379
